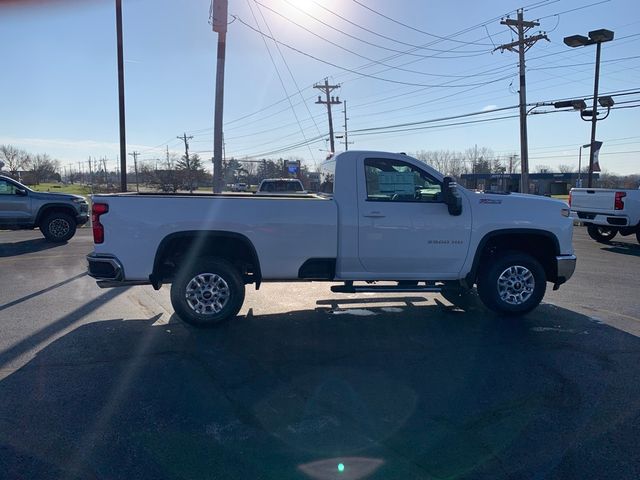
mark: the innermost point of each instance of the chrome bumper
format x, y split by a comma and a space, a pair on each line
565, 266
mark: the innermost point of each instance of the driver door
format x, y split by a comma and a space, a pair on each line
405, 229
14, 209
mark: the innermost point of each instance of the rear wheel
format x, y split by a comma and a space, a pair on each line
513, 284
58, 227
208, 292
601, 234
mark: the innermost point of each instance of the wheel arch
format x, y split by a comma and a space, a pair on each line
541, 244
178, 247
50, 208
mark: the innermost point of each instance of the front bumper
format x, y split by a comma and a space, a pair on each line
81, 219
565, 266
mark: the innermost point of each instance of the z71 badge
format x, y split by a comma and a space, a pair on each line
490, 201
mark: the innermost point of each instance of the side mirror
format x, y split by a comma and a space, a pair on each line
21, 192
451, 197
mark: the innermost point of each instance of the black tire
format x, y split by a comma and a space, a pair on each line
498, 295
638, 236
198, 290
58, 227
601, 234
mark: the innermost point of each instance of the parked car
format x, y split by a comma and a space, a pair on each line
239, 187
280, 186
56, 214
607, 212
380, 217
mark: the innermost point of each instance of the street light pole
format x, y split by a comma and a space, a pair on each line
596, 37
594, 116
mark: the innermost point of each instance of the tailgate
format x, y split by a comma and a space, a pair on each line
593, 200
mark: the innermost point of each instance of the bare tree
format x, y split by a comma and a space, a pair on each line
43, 168
448, 162
563, 168
542, 169
14, 158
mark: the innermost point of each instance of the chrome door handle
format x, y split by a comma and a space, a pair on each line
374, 215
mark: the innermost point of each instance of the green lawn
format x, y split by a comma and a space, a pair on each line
561, 197
75, 188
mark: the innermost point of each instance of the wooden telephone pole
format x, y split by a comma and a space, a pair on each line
327, 89
218, 20
520, 46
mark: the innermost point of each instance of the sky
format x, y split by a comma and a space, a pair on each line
416, 62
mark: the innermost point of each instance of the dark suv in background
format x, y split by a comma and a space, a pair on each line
56, 214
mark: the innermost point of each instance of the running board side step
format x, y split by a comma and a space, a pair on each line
383, 288
123, 283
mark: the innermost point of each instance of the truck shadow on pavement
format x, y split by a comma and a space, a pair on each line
26, 246
397, 392
624, 248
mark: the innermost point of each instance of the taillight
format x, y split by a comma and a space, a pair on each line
98, 230
569, 197
619, 204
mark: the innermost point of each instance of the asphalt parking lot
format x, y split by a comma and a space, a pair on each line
107, 384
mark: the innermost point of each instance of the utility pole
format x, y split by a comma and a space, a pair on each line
346, 130
123, 141
327, 89
218, 20
520, 46
186, 139
135, 154
90, 172
104, 168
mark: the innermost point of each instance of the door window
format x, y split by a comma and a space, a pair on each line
7, 188
397, 181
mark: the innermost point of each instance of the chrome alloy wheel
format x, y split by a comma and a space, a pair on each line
516, 285
59, 227
207, 293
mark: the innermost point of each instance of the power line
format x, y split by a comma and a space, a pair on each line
575, 9
413, 28
362, 74
585, 63
280, 76
473, 114
370, 60
376, 45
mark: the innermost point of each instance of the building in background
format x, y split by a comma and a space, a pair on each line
539, 183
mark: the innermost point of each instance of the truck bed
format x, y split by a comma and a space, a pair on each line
285, 230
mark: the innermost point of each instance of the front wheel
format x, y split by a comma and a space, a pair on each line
513, 284
601, 234
58, 227
208, 292
638, 236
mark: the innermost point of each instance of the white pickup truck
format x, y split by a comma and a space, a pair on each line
379, 217
606, 212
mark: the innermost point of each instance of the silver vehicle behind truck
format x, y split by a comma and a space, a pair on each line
56, 214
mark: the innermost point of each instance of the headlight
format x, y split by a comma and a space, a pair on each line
79, 200
565, 212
